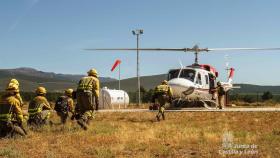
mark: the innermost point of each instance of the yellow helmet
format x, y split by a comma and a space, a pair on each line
12, 88
41, 90
92, 72
164, 82
68, 92
14, 81
219, 83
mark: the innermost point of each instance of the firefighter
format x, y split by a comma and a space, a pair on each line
87, 98
10, 108
15, 81
64, 105
162, 94
221, 92
39, 108
18, 96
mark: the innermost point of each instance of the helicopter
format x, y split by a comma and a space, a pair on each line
195, 85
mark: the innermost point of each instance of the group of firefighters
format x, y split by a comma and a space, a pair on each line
12, 116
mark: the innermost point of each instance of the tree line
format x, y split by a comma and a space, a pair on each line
255, 97
146, 96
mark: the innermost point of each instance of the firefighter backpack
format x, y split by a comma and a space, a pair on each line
61, 104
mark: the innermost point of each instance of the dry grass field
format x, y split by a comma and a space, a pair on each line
183, 134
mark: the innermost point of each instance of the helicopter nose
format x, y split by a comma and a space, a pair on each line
181, 86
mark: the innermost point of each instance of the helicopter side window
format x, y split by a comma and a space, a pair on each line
198, 80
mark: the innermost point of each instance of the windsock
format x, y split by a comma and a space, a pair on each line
117, 62
231, 74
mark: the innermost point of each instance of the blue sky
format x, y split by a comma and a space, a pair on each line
50, 35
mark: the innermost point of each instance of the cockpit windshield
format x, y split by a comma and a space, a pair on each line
185, 73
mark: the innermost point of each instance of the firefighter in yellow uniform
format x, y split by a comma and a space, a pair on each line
18, 96
10, 108
64, 105
87, 98
162, 94
39, 108
221, 92
69, 94
15, 81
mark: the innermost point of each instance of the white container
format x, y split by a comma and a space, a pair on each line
111, 99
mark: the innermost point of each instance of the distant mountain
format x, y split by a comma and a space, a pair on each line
31, 78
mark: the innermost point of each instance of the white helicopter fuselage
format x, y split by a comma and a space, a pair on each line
193, 83
195, 89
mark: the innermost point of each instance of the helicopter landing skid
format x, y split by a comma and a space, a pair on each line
180, 103
209, 104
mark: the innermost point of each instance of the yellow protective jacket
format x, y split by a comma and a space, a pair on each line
71, 104
10, 108
20, 99
37, 105
163, 89
89, 83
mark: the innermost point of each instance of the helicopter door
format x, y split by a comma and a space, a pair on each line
198, 80
206, 82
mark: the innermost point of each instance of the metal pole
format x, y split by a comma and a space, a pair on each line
138, 32
138, 76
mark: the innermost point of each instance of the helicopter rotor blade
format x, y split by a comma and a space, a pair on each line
194, 49
241, 49
141, 49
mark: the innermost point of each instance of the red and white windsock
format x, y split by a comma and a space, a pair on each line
117, 62
231, 74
